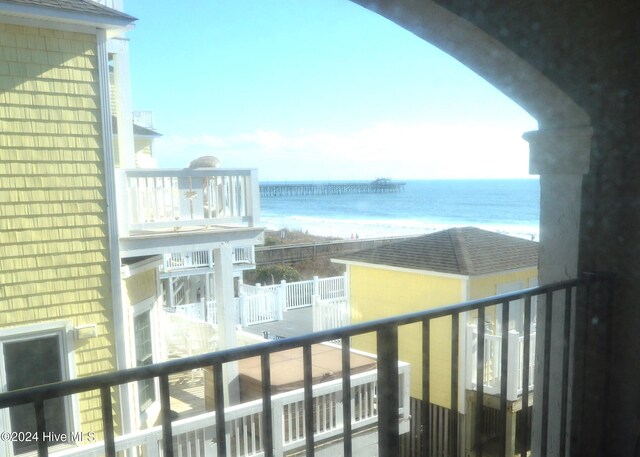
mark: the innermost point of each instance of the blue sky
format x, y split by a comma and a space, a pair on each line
315, 89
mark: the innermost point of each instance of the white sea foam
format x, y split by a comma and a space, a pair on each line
373, 228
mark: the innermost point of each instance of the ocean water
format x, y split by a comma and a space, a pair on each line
507, 206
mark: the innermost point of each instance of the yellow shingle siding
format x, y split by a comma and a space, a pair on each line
140, 287
377, 293
54, 257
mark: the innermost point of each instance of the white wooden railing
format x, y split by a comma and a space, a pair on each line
244, 255
160, 199
196, 436
202, 311
174, 261
262, 306
180, 260
330, 313
258, 304
493, 362
300, 294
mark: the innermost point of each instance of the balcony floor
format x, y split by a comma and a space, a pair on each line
187, 389
187, 393
158, 241
295, 322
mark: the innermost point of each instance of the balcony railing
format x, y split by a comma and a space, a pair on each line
176, 261
259, 304
559, 299
330, 313
161, 199
492, 379
244, 425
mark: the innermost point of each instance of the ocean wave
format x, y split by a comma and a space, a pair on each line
374, 228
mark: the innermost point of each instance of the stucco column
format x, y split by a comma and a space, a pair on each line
226, 316
561, 158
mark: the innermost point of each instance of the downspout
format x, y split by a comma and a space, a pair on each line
112, 219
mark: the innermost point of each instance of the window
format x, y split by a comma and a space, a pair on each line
31, 362
144, 356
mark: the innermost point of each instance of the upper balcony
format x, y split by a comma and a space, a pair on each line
163, 210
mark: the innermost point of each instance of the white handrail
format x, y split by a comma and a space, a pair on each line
258, 304
493, 362
169, 198
245, 427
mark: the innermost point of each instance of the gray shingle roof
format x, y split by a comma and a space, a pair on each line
464, 251
75, 6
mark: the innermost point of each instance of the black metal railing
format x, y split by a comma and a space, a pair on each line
565, 295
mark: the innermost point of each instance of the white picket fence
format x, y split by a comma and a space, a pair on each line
196, 436
258, 304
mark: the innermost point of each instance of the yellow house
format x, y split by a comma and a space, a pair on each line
430, 271
80, 252
57, 271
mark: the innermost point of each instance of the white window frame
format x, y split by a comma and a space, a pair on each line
145, 306
63, 330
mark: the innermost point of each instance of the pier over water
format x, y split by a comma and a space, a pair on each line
379, 186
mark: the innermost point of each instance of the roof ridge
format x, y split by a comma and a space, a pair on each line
461, 250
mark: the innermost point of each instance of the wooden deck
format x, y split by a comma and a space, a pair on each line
295, 322
187, 393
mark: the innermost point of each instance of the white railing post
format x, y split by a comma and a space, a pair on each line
277, 418
514, 365
316, 313
316, 286
152, 445
406, 388
253, 199
211, 307
210, 449
472, 356
345, 286
242, 309
281, 300
346, 313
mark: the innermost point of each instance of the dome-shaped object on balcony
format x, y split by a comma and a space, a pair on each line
205, 162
